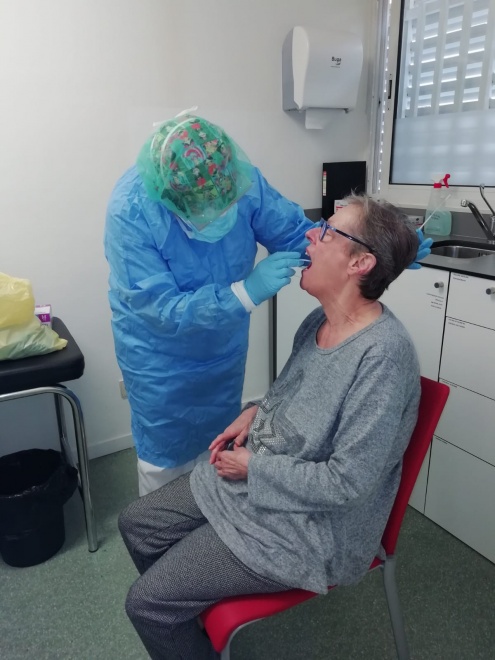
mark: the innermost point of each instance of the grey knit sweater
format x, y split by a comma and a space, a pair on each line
327, 443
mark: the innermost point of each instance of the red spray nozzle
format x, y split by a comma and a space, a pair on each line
442, 182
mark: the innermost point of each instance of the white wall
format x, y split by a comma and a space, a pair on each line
82, 81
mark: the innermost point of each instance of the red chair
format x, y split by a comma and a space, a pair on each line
224, 619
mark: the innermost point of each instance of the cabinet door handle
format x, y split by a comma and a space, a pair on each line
438, 285
490, 291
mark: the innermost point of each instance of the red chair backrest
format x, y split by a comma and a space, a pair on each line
433, 399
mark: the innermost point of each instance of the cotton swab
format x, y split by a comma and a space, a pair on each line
427, 219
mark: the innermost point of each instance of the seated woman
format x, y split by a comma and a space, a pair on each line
304, 497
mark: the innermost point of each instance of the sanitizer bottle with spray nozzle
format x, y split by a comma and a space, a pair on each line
438, 219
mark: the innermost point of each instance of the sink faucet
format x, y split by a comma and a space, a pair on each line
489, 232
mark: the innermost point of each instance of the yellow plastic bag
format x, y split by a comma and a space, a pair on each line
16, 301
21, 332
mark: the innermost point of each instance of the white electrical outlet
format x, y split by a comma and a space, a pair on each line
123, 391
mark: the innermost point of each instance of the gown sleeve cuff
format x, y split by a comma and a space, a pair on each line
239, 290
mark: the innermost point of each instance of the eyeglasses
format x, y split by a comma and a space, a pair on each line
325, 226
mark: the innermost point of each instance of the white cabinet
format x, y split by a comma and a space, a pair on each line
461, 496
468, 422
469, 300
418, 299
468, 356
460, 492
453, 329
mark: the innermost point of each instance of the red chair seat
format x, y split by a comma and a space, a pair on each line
223, 618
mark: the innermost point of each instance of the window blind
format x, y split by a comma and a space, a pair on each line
448, 57
445, 104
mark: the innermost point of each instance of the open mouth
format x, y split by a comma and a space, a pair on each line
306, 262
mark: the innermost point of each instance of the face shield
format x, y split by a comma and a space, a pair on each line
195, 169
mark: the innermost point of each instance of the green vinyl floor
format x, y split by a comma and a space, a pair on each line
72, 606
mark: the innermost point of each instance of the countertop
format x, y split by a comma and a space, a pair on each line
480, 266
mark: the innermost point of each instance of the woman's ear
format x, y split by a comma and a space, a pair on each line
361, 263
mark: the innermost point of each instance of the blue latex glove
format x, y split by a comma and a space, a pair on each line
423, 249
270, 275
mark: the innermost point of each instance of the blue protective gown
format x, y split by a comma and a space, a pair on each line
181, 335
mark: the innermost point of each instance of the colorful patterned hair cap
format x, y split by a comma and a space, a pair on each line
194, 168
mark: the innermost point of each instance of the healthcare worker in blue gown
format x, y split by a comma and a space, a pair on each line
181, 239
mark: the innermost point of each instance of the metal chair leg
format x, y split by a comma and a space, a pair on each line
62, 432
394, 608
225, 655
82, 459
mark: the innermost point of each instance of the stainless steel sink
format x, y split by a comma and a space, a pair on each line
461, 249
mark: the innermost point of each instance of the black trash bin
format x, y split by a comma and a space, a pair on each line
34, 486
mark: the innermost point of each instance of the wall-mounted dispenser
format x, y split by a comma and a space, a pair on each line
321, 70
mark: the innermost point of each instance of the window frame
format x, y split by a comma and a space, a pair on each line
389, 28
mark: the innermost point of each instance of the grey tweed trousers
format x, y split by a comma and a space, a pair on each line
184, 568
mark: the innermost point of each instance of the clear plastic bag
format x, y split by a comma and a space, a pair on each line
21, 332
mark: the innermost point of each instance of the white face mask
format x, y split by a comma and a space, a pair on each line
214, 231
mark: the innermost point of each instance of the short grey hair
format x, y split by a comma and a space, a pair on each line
393, 239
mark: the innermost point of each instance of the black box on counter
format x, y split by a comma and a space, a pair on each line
339, 180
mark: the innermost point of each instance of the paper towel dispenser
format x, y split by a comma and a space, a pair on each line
321, 71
